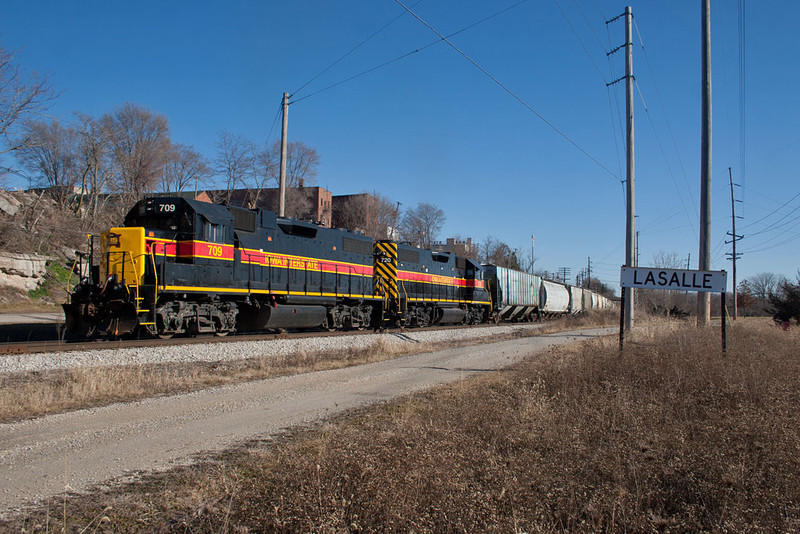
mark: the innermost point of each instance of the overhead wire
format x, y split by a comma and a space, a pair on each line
742, 96
775, 225
507, 90
410, 53
664, 110
589, 24
605, 82
609, 90
274, 123
359, 45
773, 212
578, 37
782, 243
666, 160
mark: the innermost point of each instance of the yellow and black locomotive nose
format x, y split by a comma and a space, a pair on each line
384, 279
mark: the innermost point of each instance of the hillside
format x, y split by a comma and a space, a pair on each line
38, 241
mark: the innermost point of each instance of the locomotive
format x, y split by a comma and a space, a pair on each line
181, 266
184, 266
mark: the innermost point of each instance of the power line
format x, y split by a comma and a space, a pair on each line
775, 225
597, 37
602, 77
773, 212
666, 161
411, 53
359, 45
776, 245
742, 94
507, 90
274, 122
578, 37
664, 111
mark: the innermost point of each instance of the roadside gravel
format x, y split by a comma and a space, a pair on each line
239, 350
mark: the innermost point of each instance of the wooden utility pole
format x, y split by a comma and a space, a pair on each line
284, 132
704, 299
630, 225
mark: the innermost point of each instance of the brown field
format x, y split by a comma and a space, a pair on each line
669, 437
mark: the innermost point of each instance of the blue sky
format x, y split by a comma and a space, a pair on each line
433, 128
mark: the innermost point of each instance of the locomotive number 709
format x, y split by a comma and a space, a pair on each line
166, 208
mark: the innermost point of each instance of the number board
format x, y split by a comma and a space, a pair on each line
166, 209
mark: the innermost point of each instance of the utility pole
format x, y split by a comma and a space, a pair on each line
533, 258
704, 299
630, 222
284, 133
589, 273
733, 240
565, 273
630, 229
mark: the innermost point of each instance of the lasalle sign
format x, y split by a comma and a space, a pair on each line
678, 279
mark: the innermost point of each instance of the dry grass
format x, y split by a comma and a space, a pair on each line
33, 394
671, 437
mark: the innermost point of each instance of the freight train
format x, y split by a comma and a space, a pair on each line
180, 266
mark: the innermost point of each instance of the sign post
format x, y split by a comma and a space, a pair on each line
679, 280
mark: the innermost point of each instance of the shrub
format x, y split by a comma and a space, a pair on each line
786, 303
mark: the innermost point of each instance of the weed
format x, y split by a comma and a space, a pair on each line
671, 436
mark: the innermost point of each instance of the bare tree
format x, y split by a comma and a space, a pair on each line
139, 143
422, 224
185, 168
93, 165
667, 260
301, 171
262, 174
351, 213
667, 302
21, 98
234, 161
383, 216
499, 253
48, 153
762, 284
301, 164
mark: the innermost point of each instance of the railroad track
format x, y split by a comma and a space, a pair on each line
61, 345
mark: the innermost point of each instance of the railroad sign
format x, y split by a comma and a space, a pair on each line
678, 279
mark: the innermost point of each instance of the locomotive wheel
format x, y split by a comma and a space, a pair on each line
165, 335
222, 333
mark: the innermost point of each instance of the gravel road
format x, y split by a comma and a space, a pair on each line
77, 450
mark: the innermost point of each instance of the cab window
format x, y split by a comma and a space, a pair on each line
213, 232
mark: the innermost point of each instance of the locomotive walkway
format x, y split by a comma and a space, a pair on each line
76, 451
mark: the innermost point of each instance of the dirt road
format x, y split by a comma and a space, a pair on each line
74, 451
